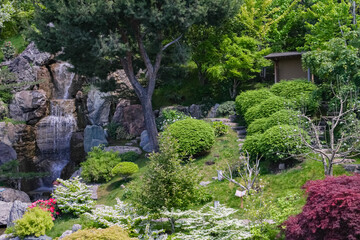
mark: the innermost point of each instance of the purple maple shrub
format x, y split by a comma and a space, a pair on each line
331, 212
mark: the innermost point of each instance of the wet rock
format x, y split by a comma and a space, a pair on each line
93, 137
64, 80
7, 153
98, 107
29, 106
45, 84
11, 195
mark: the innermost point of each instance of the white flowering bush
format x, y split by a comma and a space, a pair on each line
169, 117
73, 196
208, 223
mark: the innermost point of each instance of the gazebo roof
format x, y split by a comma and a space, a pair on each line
283, 55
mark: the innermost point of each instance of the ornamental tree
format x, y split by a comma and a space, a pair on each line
99, 37
331, 211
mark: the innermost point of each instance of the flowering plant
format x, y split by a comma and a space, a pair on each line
47, 205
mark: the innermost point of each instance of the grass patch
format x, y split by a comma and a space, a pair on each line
17, 41
62, 224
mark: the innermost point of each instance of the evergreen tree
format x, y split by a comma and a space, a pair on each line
99, 36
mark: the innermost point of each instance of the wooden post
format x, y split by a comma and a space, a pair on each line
276, 70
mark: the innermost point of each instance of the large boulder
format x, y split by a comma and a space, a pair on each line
11, 195
29, 106
133, 119
123, 149
145, 141
26, 65
119, 111
94, 136
7, 153
16, 212
5, 211
98, 107
196, 111
7, 133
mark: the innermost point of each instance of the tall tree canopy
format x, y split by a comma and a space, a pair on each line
100, 36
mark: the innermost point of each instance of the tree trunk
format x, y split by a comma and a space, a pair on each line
150, 123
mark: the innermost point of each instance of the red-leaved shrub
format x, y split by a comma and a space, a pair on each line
331, 212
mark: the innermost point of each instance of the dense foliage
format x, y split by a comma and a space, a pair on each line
169, 116
248, 99
194, 136
225, 109
111, 233
98, 165
331, 211
73, 196
35, 222
219, 128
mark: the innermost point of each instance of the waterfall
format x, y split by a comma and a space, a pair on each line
54, 131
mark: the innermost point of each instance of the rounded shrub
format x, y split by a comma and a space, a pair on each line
299, 92
111, 233
98, 165
125, 169
266, 108
194, 136
251, 145
219, 128
249, 99
35, 222
280, 141
226, 109
284, 116
257, 126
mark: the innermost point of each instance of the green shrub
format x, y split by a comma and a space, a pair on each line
125, 169
8, 50
73, 196
280, 141
194, 136
111, 129
219, 128
35, 222
299, 92
257, 126
111, 233
225, 109
98, 165
117, 131
285, 116
251, 98
266, 108
129, 156
251, 145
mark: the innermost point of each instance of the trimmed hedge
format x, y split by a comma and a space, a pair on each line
125, 169
194, 136
284, 116
251, 98
266, 108
111, 233
257, 126
252, 145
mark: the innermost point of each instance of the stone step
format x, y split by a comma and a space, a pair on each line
237, 128
241, 132
242, 136
231, 124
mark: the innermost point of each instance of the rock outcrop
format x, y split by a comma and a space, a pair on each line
94, 136
11, 195
77, 154
98, 107
7, 153
29, 106
133, 119
5, 211
16, 212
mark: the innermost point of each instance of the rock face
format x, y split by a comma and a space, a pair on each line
5, 211
29, 106
7, 153
119, 111
17, 211
196, 111
93, 137
123, 149
77, 154
46, 84
212, 112
98, 107
7, 133
63, 80
133, 119
11, 195
25, 65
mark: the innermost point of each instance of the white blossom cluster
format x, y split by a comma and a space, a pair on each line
73, 196
6, 10
209, 223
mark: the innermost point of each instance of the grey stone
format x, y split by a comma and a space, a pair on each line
77, 173
5, 211
147, 148
94, 188
8, 133
7, 153
17, 211
123, 149
7, 237
204, 184
98, 107
28, 106
76, 227
282, 166
196, 111
66, 233
144, 139
212, 112
93, 137
129, 144
11, 195
44, 237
